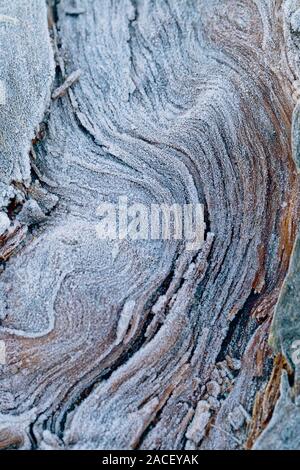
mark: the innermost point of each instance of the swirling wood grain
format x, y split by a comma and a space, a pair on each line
143, 344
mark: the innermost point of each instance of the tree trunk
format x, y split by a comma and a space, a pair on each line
145, 344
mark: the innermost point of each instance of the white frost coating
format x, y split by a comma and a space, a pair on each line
15, 429
27, 77
201, 418
4, 223
178, 102
8, 19
124, 320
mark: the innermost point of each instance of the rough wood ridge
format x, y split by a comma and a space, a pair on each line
122, 344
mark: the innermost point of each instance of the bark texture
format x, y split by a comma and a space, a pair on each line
121, 344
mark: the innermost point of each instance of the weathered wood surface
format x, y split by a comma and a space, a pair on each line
153, 346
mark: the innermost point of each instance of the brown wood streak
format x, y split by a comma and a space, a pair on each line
265, 401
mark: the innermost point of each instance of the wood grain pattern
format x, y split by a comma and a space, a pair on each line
154, 347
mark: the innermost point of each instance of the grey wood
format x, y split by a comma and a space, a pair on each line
144, 344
